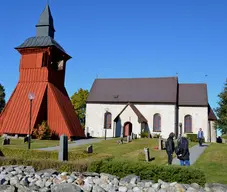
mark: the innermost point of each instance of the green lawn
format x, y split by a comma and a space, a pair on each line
214, 163
131, 151
35, 144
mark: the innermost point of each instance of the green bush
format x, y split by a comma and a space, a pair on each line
147, 171
37, 154
79, 166
156, 135
44, 132
193, 137
224, 136
144, 135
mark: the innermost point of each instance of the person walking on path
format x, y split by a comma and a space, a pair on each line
200, 136
182, 151
170, 147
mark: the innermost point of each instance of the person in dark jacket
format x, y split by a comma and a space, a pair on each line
170, 148
182, 151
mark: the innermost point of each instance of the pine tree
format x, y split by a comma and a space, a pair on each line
2, 98
221, 110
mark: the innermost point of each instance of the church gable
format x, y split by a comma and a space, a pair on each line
133, 108
128, 114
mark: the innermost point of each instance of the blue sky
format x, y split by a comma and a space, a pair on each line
124, 38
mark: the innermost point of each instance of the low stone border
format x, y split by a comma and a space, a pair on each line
24, 179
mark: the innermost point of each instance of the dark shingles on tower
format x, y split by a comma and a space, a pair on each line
44, 33
42, 41
45, 26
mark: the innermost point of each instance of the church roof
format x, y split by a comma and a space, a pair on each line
211, 115
147, 90
134, 90
193, 95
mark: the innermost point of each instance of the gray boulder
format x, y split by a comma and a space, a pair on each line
7, 188
66, 187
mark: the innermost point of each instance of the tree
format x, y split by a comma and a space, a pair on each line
2, 98
78, 100
221, 110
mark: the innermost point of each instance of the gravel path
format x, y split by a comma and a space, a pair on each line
77, 143
195, 153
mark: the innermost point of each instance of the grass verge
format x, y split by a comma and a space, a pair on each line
213, 162
35, 143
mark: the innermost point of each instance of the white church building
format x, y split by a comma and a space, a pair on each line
156, 105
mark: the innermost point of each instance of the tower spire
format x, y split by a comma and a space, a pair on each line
45, 26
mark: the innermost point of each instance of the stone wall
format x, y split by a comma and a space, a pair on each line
24, 179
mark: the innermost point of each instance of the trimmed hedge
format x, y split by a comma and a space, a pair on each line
193, 137
67, 166
79, 165
144, 135
224, 136
147, 171
37, 154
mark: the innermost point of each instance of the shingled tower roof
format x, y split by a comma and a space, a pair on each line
44, 33
45, 26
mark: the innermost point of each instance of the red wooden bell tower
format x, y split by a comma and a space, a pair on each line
42, 72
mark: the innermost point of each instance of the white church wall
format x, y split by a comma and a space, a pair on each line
213, 132
95, 118
199, 119
167, 113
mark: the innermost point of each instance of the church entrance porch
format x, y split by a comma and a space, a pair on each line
127, 129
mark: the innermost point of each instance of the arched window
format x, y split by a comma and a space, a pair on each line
107, 120
157, 123
188, 124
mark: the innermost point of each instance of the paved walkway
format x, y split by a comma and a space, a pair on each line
76, 143
195, 153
